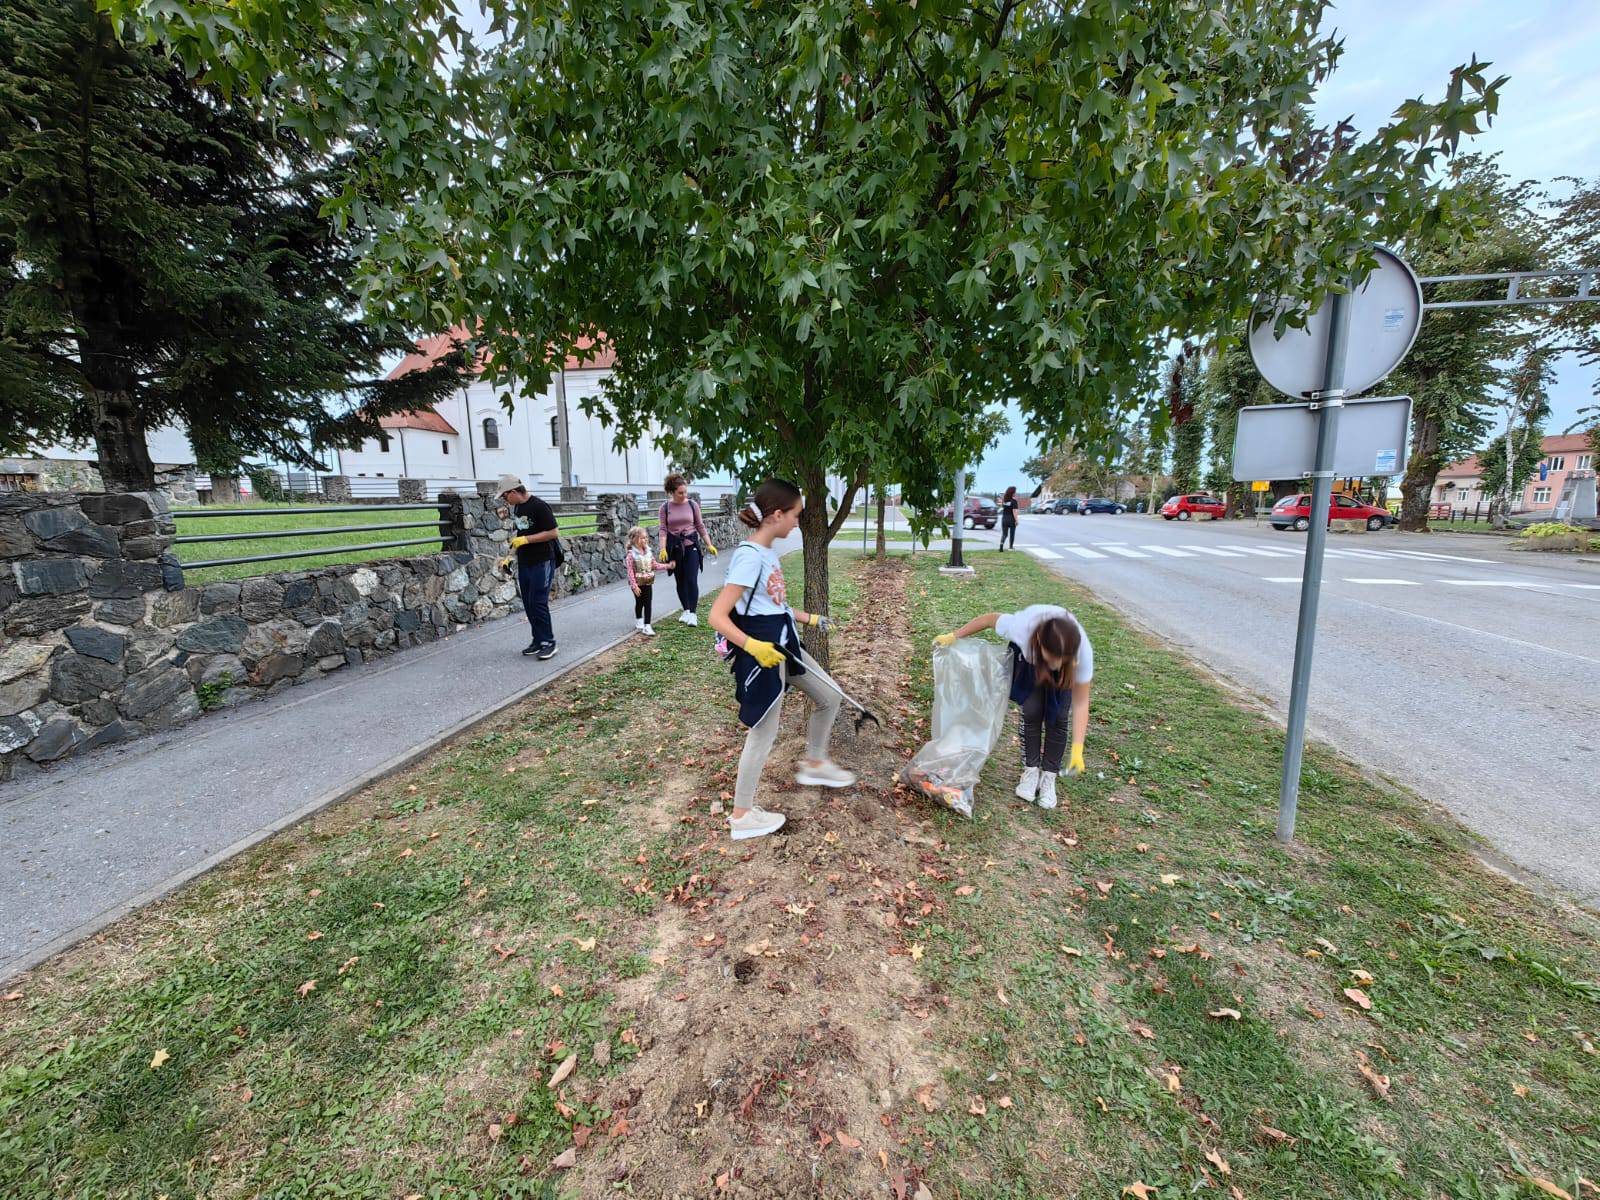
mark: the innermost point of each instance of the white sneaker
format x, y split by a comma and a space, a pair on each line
649, 630
1028, 785
823, 774
757, 822
1047, 790
688, 618
638, 624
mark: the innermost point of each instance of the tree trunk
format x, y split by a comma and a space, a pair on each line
119, 438
883, 548
814, 538
1416, 489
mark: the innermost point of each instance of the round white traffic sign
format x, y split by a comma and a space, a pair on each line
1385, 314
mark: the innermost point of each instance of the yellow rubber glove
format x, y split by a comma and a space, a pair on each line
662, 557
945, 639
505, 565
764, 653
711, 548
521, 541
1075, 763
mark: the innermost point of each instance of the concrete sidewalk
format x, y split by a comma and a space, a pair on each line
98, 836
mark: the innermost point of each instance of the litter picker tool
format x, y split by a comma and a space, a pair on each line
863, 714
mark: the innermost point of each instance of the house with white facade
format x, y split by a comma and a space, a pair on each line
473, 435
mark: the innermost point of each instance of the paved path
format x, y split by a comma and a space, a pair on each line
94, 838
1465, 670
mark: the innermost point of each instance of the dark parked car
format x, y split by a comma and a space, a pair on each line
1294, 512
1184, 508
982, 513
1099, 504
1064, 504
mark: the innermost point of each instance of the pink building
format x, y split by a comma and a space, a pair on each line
1461, 483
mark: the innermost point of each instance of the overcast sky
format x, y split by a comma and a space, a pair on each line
1548, 125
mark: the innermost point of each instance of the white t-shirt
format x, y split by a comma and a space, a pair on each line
1018, 628
751, 565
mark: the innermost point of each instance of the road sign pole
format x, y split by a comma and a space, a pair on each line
1330, 401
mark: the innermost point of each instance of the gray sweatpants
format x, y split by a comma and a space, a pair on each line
763, 735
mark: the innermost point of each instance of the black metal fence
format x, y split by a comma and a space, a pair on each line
1475, 514
440, 523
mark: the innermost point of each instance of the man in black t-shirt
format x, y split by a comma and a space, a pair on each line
534, 539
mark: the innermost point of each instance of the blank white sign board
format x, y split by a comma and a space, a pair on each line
1279, 441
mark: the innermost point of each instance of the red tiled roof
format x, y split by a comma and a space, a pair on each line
431, 349
428, 420
1555, 443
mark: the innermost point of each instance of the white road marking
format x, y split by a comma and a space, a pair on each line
1170, 552
1261, 550
1218, 553
1428, 554
1587, 587
1111, 543
1281, 578
1041, 552
1123, 550
1391, 582
1352, 553
1083, 552
1510, 583
1499, 637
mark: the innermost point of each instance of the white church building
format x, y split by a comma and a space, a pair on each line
471, 435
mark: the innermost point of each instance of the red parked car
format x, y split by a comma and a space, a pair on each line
1183, 508
1294, 512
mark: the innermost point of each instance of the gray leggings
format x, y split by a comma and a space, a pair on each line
759, 741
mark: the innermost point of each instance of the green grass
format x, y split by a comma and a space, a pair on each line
452, 907
1468, 527
245, 520
1479, 988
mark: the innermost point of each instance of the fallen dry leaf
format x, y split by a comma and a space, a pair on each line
568, 1065
1000, 995
1359, 998
925, 1098
976, 1106
566, 1160
584, 944
1071, 951
1003, 1102
306, 988
1217, 1161
1105, 890
1170, 880
916, 952
1101, 1101
1231, 1014
1544, 1185
1380, 1083
246, 1096
757, 949
1139, 1189
314, 936
848, 1142
1276, 1135
966, 889
1145, 1031
1520, 1089
627, 1037
408, 852
620, 1128
159, 1057
883, 1159
1361, 977
495, 1131
1174, 1084
12, 996
922, 1193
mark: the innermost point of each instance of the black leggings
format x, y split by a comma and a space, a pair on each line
1008, 529
641, 602
687, 573
1054, 736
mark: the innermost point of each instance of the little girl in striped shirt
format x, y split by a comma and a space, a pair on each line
641, 578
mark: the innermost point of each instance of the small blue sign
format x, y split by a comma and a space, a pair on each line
1385, 462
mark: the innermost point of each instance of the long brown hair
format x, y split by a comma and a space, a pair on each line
1059, 637
774, 495
1010, 492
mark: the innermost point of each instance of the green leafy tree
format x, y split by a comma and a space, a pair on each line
1232, 383
826, 235
1526, 407
1457, 361
1184, 395
164, 258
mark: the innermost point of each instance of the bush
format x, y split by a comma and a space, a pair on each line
1549, 529
268, 486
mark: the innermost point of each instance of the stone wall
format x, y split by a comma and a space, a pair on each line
103, 640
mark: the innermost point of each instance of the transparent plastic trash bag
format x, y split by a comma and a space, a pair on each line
971, 685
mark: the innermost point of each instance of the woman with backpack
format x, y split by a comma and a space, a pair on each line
1008, 518
682, 534
757, 631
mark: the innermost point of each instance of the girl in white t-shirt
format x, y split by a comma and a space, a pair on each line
752, 612
1052, 665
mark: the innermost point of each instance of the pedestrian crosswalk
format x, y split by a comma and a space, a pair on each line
1235, 550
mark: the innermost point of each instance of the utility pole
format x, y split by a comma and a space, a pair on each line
562, 430
959, 519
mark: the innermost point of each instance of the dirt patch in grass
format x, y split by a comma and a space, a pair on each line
784, 1025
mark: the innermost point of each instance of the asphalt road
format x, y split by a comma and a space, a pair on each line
1462, 669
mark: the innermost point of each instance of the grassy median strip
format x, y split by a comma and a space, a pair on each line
534, 966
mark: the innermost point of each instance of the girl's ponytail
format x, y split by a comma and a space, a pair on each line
775, 495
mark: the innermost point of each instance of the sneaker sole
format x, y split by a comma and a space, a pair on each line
744, 835
545, 655
814, 781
